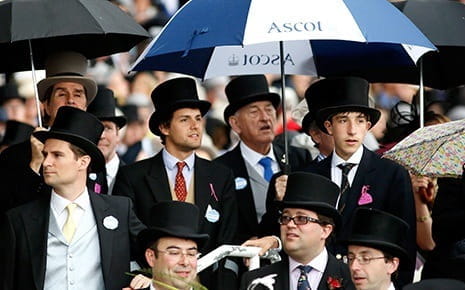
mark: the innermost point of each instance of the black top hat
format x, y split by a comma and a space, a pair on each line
313, 192
16, 132
244, 90
172, 95
314, 104
103, 107
8, 92
342, 94
172, 219
67, 66
380, 230
435, 284
78, 128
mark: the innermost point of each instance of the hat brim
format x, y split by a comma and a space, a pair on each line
325, 113
148, 236
158, 116
387, 247
274, 98
89, 84
120, 121
306, 122
318, 207
98, 160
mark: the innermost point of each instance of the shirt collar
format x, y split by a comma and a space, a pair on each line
355, 158
170, 161
318, 263
112, 166
59, 203
252, 156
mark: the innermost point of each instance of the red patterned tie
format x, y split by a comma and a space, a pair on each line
180, 185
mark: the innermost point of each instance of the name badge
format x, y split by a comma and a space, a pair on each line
240, 182
212, 215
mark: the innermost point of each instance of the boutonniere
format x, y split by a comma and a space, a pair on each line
334, 283
267, 281
365, 197
110, 222
212, 192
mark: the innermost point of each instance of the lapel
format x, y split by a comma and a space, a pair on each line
158, 179
280, 156
335, 270
324, 166
204, 187
36, 220
282, 280
102, 209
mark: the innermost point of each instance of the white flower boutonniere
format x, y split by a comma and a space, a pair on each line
110, 222
267, 281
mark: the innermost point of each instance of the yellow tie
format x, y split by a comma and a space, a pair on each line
70, 225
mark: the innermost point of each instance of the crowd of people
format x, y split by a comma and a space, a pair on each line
133, 177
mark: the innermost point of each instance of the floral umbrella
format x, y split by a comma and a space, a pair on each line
434, 151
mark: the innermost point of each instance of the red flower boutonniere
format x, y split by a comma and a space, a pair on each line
334, 283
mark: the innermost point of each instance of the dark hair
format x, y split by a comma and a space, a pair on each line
325, 220
165, 122
330, 117
78, 152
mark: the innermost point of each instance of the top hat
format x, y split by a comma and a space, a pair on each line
244, 90
313, 192
16, 132
172, 95
8, 92
103, 107
79, 128
67, 66
342, 94
172, 219
380, 230
434, 284
314, 104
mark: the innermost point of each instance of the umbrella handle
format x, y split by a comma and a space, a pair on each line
34, 82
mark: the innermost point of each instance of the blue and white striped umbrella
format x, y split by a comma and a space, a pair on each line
208, 38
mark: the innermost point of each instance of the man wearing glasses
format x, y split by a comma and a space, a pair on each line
376, 248
308, 218
171, 244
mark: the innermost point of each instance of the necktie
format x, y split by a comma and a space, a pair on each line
302, 283
69, 228
266, 163
345, 167
180, 184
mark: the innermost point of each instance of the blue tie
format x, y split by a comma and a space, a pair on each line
303, 284
266, 163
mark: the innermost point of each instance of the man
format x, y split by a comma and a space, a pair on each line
16, 132
12, 102
103, 107
72, 237
308, 219
65, 85
364, 178
376, 247
176, 173
251, 113
172, 242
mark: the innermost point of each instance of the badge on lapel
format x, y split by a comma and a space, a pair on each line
110, 222
212, 215
366, 197
240, 182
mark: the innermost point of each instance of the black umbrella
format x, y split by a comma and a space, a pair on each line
92, 27
443, 22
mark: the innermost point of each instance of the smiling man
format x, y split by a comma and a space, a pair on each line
307, 221
376, 246
176, 173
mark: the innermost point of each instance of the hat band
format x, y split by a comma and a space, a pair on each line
66, 74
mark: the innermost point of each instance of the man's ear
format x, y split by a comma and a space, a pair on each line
85, 162
150, 257
327, 230
234, 123
329, 127
393, 265
163, 129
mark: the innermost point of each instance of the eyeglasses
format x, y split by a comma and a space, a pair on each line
190, 254
298, 220
362, 260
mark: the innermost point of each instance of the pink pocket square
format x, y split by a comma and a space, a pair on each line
365, 198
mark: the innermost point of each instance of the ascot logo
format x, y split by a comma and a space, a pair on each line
258, 59
295, 27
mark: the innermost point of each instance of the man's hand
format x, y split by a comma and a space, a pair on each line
280, 186
265, 243
139, 282
36, 149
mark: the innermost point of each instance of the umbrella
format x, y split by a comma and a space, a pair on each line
91, 27
443, 23
208, 38
434, 151
30, 30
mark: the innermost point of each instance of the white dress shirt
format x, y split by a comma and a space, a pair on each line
336, 172
318, 265
112, 169
172, 169
253, 157
58, 205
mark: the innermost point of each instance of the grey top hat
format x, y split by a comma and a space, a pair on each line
67, 66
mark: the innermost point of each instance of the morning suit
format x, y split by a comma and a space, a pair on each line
248, 223
334, 269
24, 242
146, 183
